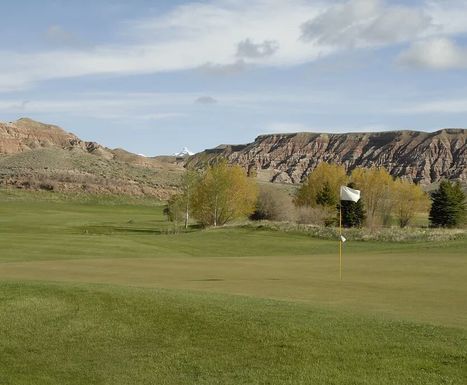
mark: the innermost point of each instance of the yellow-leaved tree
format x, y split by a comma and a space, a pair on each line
322, 186
376, 185
408, 199
222, 194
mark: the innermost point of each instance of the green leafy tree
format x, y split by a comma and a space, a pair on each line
448, 205
224, 193
353, 213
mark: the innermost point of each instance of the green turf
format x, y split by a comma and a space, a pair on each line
97, 291
54, 334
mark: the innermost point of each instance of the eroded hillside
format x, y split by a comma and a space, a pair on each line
288, 158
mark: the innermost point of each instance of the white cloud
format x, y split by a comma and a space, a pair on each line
247, 48
59, 36
448, 16
294, 127
437, 54
286, 127
225, 69
191, 36
228, 36
205, 100
148, 107
448, 106
366, 23
154, 106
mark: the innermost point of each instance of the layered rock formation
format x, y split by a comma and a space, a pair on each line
288, 158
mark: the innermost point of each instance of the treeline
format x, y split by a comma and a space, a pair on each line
223, 192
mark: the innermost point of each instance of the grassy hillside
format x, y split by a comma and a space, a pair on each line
75, 170
99, 291
37, 156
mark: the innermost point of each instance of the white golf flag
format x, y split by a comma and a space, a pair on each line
349, 194
343, 239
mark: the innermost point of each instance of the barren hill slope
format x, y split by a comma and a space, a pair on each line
37, 155
288, 158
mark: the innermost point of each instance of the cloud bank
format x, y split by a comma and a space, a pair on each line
436, 54
228, 36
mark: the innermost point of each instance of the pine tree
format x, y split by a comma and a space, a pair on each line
353, 213
448, 205
326, 197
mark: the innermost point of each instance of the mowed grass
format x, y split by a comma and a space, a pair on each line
97, 292
74, 334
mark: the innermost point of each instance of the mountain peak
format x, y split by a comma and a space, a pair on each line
185, 152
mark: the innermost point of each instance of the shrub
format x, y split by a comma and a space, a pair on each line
273, 204
319, 216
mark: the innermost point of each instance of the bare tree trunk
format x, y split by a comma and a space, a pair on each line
187, 210
215, 211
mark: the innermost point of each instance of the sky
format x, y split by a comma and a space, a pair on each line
155, 76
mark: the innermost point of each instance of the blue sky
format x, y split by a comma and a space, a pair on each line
154, 76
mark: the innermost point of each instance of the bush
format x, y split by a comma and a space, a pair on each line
318, 216
273, 204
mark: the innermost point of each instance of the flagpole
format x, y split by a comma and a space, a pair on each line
346, 194
340, 240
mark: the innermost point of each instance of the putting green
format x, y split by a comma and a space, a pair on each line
412, 288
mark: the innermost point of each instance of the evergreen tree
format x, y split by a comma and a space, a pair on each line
448, 205
326, 197
353, 213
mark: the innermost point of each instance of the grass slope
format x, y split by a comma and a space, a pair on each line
55, 334
76, 169
95, 291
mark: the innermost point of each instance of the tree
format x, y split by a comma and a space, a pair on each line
189, 181
180, 205
174, 210
448, 205
376, 185
222, 194
353, 213
408, 199
332, 175
326, 197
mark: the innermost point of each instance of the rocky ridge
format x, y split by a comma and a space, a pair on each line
424, 157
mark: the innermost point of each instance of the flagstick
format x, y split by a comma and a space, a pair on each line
340, 241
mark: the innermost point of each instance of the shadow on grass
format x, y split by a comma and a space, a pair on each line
109, 230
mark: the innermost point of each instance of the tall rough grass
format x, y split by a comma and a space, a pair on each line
393, 234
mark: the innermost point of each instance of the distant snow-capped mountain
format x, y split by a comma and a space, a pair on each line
185, 152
